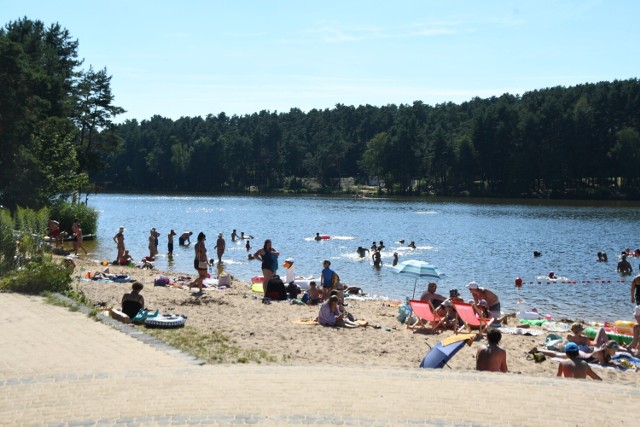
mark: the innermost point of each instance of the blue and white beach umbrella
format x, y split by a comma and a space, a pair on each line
418, 269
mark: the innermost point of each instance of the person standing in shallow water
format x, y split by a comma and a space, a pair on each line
170, 241
119, 240
220, 246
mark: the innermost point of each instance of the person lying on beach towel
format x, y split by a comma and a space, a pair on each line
601, 356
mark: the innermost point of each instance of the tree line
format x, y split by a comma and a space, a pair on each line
563, 142
58, 139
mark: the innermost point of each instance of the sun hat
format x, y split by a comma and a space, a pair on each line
636, 311
472, 285
571, 347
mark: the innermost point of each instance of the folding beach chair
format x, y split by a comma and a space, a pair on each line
426, 314
467, 314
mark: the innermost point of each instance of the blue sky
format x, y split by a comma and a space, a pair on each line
193, 58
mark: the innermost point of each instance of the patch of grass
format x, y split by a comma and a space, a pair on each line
212, 347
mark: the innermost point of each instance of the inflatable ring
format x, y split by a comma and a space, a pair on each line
165, 321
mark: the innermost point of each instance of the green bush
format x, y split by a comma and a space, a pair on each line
38, 277
65, 213
7, 241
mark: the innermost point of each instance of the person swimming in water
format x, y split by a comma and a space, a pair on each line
395, 259
362, 251
412, 245
317, 238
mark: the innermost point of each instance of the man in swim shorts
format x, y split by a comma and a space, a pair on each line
492, 299
326, 279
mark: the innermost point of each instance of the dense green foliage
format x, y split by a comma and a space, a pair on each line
579, 141
55, 119
65, 213
25, 262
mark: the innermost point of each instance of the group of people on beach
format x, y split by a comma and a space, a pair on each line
57, 235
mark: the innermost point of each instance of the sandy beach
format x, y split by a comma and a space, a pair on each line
276, 328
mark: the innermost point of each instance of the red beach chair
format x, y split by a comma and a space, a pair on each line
426, 314
469, 317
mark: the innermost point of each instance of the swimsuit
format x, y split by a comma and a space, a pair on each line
131, 308
267, 261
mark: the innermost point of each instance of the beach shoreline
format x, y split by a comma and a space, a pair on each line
281, 330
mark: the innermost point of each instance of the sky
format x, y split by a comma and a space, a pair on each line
195, 58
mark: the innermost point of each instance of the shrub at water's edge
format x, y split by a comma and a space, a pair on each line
26, 265
65, 213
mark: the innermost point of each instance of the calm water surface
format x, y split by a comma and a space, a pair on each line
491, 242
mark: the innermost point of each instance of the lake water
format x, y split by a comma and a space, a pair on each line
489, 241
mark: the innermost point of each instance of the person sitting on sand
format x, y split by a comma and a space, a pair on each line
330, 315
133, 302
624, 267
491, 357
577, 337
430, 295
314, 294
482, 310
126, 258
574, 366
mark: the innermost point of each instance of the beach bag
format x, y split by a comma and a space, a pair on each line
276, 289
224, 280
403, 312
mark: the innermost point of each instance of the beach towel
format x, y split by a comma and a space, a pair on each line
555, 326
307, 322
512, 330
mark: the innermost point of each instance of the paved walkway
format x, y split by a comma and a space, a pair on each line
59, 367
